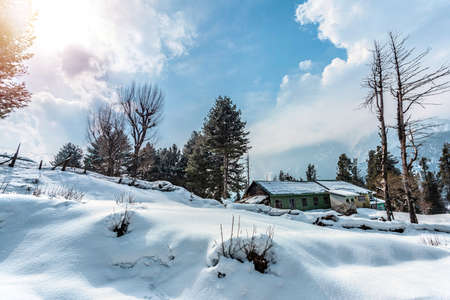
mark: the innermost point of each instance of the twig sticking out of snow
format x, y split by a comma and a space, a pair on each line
121, 221
434, 240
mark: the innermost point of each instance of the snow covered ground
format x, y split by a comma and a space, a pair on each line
52, 248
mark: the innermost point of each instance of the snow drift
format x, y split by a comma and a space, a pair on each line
53, 248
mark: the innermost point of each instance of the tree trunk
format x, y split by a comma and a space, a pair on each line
134, 165
384, 180
404, 157
384, 149
225, 177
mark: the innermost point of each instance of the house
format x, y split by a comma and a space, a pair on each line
306, 195
348, 192
303, 195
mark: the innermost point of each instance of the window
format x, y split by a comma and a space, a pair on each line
292, 203
304, 202
362, 198
316, 201
278, 204
347, 201
326, 199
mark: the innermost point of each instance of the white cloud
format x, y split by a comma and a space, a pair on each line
83, 50
316, 108
305, 65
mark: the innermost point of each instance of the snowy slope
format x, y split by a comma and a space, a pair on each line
60, 249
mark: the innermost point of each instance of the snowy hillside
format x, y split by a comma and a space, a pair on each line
53, 248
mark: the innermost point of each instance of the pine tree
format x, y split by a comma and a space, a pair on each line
169, 165
344, 168
225, 135
285, 176
311, 174
444, 172
431, 193
356, 178
146, 162
203, 169
71, 151
373, 171
93, 160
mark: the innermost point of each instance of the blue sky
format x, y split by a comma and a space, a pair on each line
252, 51
243, 51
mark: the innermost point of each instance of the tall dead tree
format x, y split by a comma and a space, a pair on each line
377, 82
411, 86
106, 132
142, 105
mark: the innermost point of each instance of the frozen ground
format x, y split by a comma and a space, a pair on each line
51, 248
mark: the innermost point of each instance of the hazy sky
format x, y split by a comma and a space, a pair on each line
293, 68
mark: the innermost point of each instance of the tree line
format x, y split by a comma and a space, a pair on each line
120, 142
431, 190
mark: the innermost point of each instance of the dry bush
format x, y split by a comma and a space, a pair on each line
434, 240
124, 198
68, 193
120, 221
254, 248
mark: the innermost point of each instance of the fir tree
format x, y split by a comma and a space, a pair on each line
356, 178
444, 172
311, 173
373, 180
344, 168
170, 165
285, 176
203, 169
225, 135
69, 150
430, 190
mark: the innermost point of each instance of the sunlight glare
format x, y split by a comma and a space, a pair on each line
60, 23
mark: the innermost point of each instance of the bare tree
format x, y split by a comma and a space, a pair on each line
142, 105
377, 82
106, 133
411, 86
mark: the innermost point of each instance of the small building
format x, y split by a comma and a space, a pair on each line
377, 203
304, 195
341, 196
353, 193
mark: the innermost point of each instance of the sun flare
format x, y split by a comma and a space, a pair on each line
60, 23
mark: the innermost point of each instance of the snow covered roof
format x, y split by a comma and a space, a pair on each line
343, 186
291, 188
255, 199
376, 200
345, 193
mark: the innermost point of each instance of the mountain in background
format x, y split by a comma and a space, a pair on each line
324, 156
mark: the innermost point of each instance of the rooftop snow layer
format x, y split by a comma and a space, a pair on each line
255, 199
343, 186
345, 193
291, 188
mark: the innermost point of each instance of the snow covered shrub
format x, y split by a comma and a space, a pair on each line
255, 248
119, 222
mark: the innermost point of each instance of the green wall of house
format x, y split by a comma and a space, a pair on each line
297, 201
